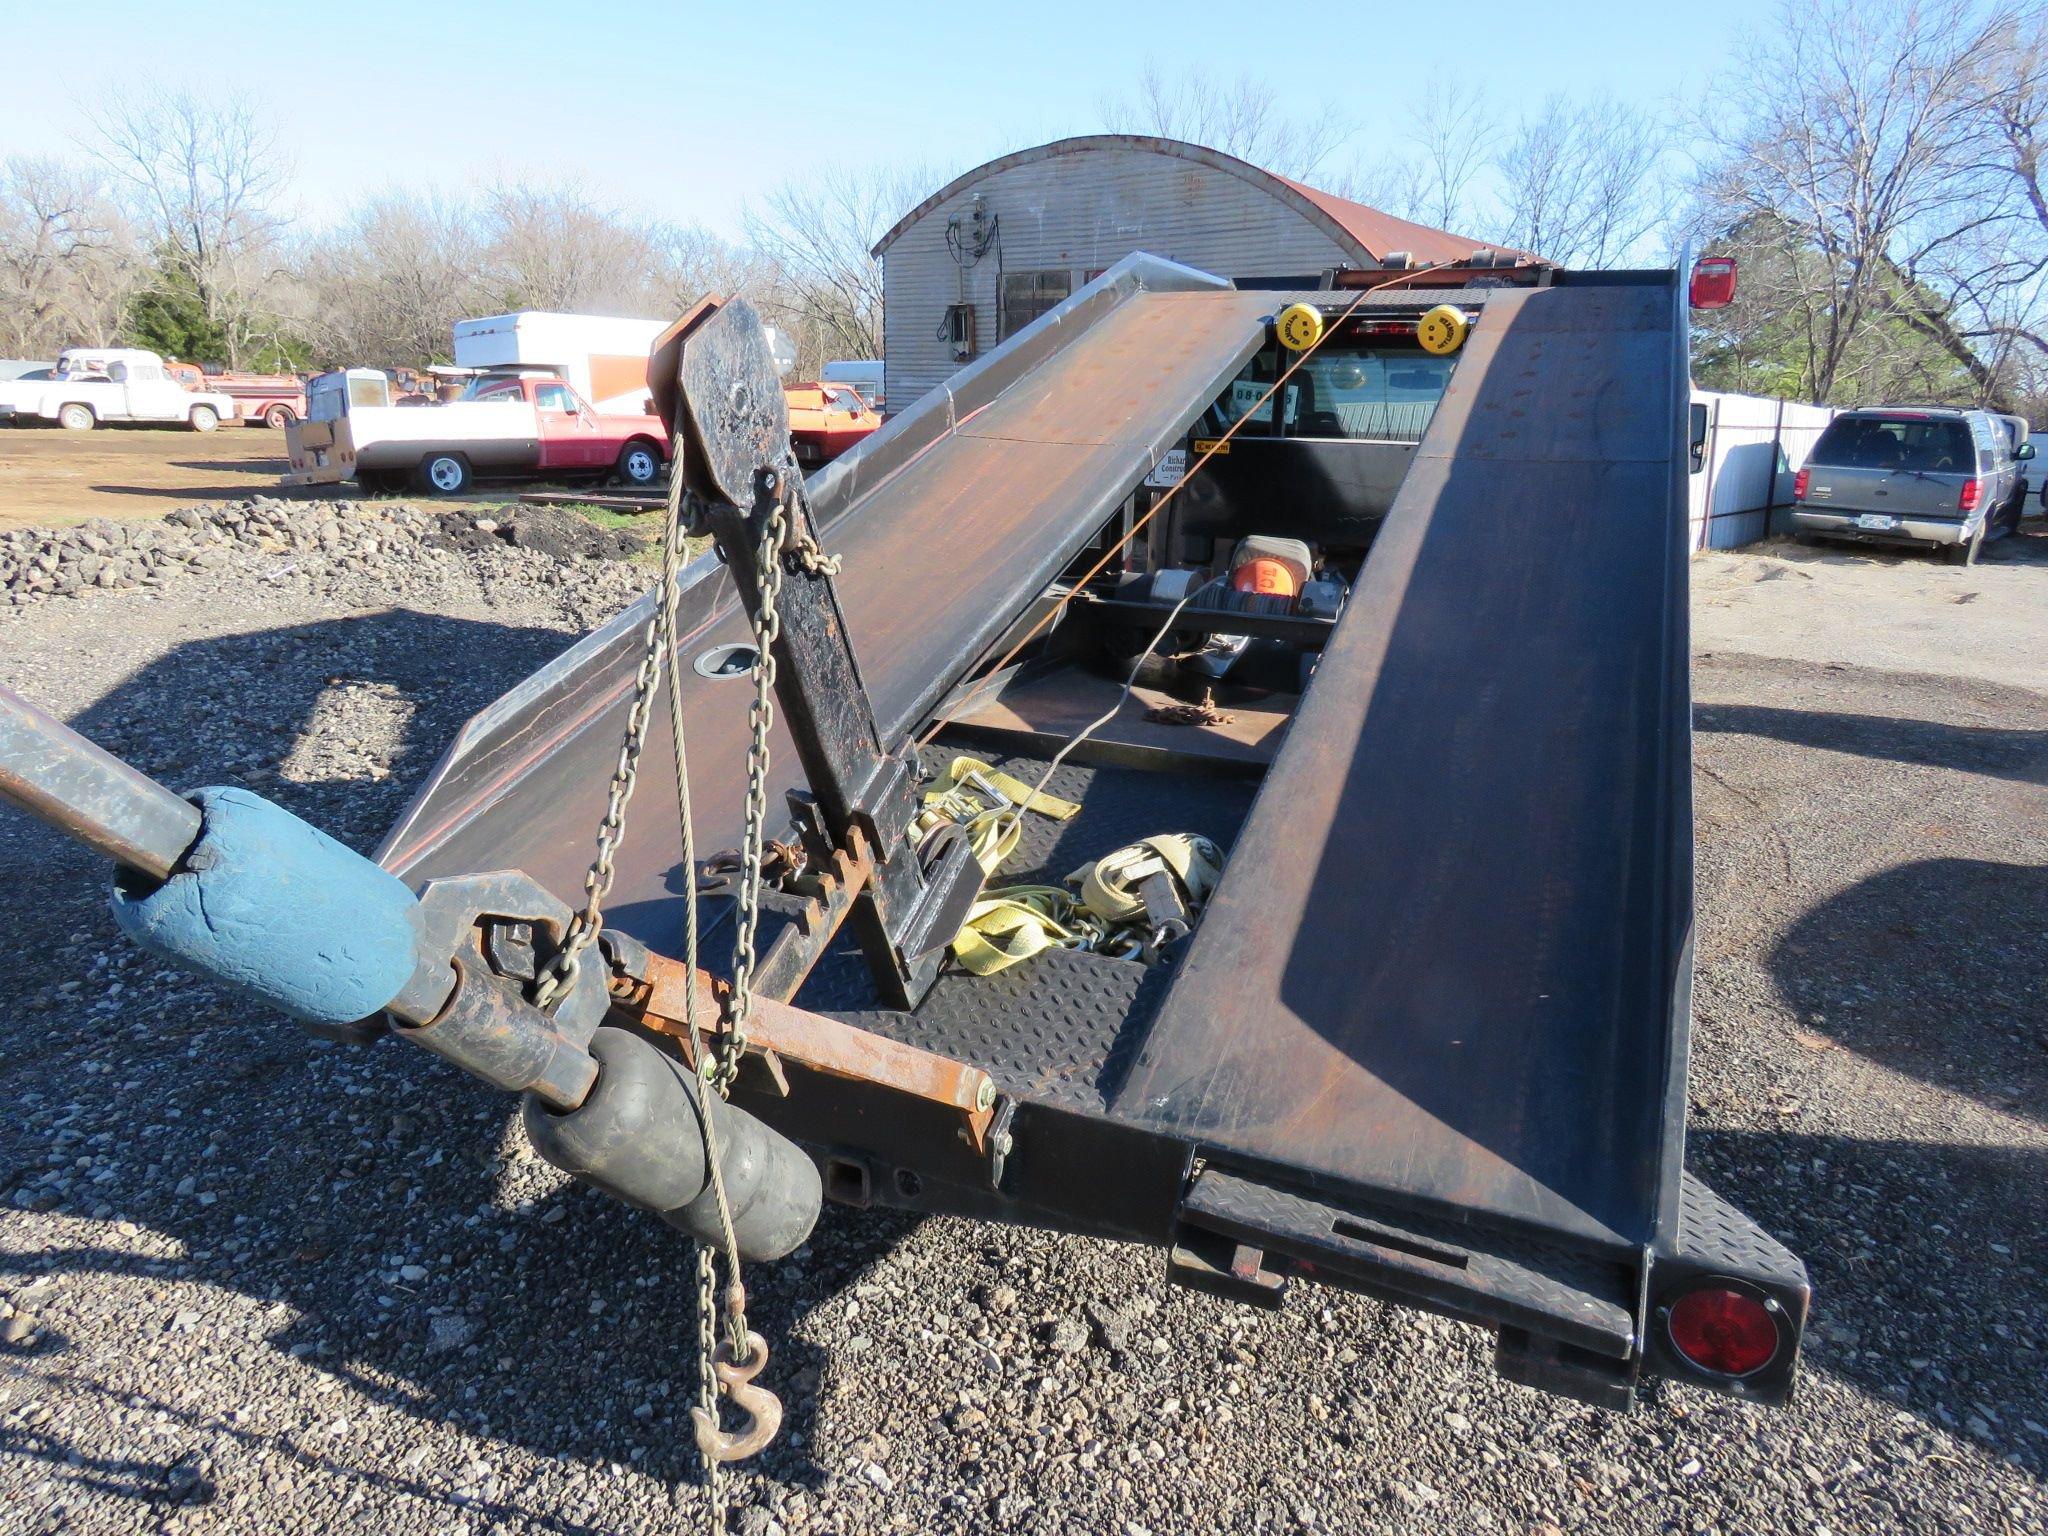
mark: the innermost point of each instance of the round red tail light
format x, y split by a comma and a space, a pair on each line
1726, 1332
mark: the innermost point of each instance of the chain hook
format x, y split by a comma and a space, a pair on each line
736, 1381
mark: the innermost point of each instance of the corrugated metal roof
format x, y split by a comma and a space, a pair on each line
1379, 233
1369, 233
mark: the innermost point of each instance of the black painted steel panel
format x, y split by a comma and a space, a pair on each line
1447, 965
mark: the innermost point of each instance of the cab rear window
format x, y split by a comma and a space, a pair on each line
1896, 442
1367, 395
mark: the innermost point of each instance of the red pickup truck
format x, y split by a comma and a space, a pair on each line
505, 427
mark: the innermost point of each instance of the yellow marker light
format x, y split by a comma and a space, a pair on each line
1442, 330
1299, 327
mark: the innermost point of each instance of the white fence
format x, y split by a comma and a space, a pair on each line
1754, 445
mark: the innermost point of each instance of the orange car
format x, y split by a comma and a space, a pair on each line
825, 420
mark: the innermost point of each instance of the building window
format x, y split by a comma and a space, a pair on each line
1027, 295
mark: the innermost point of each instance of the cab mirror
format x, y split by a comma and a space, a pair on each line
1696, 435
2024, 452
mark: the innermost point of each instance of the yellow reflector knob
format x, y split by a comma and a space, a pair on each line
1442, 330
1299, 327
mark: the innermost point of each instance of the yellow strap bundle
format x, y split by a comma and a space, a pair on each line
990, 805
1098, 908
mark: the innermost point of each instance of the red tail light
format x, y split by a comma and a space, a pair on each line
1972, 489
1799, 484
1723, 1331
1713, 282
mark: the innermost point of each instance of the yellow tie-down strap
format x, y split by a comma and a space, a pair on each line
1098, 908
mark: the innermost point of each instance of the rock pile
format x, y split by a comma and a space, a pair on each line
347, 548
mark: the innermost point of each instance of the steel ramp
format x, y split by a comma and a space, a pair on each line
949, 520
1446, 967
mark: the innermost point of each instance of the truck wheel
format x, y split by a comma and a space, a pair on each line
204, 418
445, 474
639, 463
76, 418
279, 416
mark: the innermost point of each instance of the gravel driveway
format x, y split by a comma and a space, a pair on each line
258, 1285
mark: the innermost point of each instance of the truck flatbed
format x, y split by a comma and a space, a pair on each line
1429, 1038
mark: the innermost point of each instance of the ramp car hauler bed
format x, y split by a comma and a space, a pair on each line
1427, 1038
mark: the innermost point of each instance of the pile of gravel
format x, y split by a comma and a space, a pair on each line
359, 551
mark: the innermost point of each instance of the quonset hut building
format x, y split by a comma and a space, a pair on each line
993, 249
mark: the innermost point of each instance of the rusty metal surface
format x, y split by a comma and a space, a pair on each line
820, 1043
1041, 714
1447, 963
949, 520
55, 775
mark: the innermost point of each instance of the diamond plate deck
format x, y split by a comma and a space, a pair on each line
1064, 1025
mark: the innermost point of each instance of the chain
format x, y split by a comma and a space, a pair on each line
587, 924
760, 720
717, 1068
707, 1376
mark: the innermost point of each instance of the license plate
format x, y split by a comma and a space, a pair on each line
1171, 466
1876, 520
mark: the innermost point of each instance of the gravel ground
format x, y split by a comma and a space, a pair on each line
256, 1284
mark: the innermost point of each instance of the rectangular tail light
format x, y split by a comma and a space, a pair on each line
1799, 484
1972, 489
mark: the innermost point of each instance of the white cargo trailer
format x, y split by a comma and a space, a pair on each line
603, 357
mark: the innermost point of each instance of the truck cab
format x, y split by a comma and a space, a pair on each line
506, 425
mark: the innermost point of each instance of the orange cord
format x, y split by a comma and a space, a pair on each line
1158, 506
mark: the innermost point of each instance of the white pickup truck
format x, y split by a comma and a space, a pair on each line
105, 384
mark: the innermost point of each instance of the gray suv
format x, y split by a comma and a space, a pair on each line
1913, 475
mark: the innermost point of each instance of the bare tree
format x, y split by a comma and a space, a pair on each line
203, 177
819, 237
1856, 127
68, 260
387, 286
1244, 117
1453, 134
1582, 182
551, 248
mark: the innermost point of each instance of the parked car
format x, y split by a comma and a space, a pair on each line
101, 384
1913, 476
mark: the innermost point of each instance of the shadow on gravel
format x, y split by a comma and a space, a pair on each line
329, 1168
1932, 969
1929, 1268
1997, 752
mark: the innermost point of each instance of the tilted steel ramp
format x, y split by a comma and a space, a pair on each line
948, 520
1446, 967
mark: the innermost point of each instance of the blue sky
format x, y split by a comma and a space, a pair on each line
682, 114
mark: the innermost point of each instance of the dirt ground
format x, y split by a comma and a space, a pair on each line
52, 479
1848, 606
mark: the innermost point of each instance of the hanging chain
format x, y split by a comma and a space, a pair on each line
717, 1068
587, 924
760, 720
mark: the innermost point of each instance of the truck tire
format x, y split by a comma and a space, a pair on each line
445, 474
639, 463
280, 416
76, 418
204, 418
